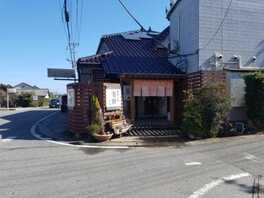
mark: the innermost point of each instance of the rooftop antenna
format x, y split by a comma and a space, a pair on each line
132, 16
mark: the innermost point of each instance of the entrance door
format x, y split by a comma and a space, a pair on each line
152, 107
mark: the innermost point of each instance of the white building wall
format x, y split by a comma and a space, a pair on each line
242, 33
184, 31
194, 23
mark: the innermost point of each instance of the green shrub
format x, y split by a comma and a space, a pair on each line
24, 100
254, 98
95, 128
42, 101
97, 121
192, 120
205, 111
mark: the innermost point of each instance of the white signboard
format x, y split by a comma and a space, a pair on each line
35, 98
70, 98
237, 89
113, 97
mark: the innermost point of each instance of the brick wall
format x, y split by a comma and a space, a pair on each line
79, 116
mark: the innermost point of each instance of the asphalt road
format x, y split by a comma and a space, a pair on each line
31, 168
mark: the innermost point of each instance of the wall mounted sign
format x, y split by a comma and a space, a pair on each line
113, 96
11, 90
237, 91
70, 98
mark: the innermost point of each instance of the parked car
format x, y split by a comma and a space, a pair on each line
54, 103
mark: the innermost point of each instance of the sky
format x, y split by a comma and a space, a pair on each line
32, 35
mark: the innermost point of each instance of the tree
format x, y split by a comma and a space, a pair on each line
254, 98
205, 111
24, 100
97, 120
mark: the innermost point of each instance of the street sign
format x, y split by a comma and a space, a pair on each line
35, 98
11, 90
70, 98
61, 73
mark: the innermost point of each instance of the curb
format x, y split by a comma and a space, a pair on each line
34, 132
224, 139
134, 142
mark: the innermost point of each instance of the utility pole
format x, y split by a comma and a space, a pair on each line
71, 45
9, 91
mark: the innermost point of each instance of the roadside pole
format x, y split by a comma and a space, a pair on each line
7, 100
9, 91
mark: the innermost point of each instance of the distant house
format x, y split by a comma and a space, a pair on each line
34, 90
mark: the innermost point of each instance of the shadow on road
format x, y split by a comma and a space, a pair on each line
95, 151
18, 125
255, 188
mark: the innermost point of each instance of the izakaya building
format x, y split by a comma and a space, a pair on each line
141, 75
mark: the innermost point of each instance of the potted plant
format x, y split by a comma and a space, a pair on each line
96, 128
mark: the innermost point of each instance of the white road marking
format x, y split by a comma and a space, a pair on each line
7, 139
193, 164
206, 188
251, 157
3, 121
36, 135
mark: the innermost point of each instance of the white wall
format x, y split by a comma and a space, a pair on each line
242, 33
184, 31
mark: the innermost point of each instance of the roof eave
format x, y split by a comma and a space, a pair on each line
243, 69
153, 75
172, 9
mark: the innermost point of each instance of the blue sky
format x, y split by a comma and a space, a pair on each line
32, 37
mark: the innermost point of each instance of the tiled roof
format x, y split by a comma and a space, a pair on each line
25, 86
94, 59
132, 56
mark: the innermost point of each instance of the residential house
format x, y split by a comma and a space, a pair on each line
132, 75
37, 93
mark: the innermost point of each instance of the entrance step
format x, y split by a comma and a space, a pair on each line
154, 124
152, 132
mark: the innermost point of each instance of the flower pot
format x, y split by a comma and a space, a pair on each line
102, 138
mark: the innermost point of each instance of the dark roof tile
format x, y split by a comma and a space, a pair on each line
132, 56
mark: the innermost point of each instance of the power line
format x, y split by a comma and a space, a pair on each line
72, 26
131, 15
62, 18
77, 18
79, 15
212, 38
70, 44
81, 20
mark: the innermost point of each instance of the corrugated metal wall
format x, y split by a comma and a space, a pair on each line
242, 33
